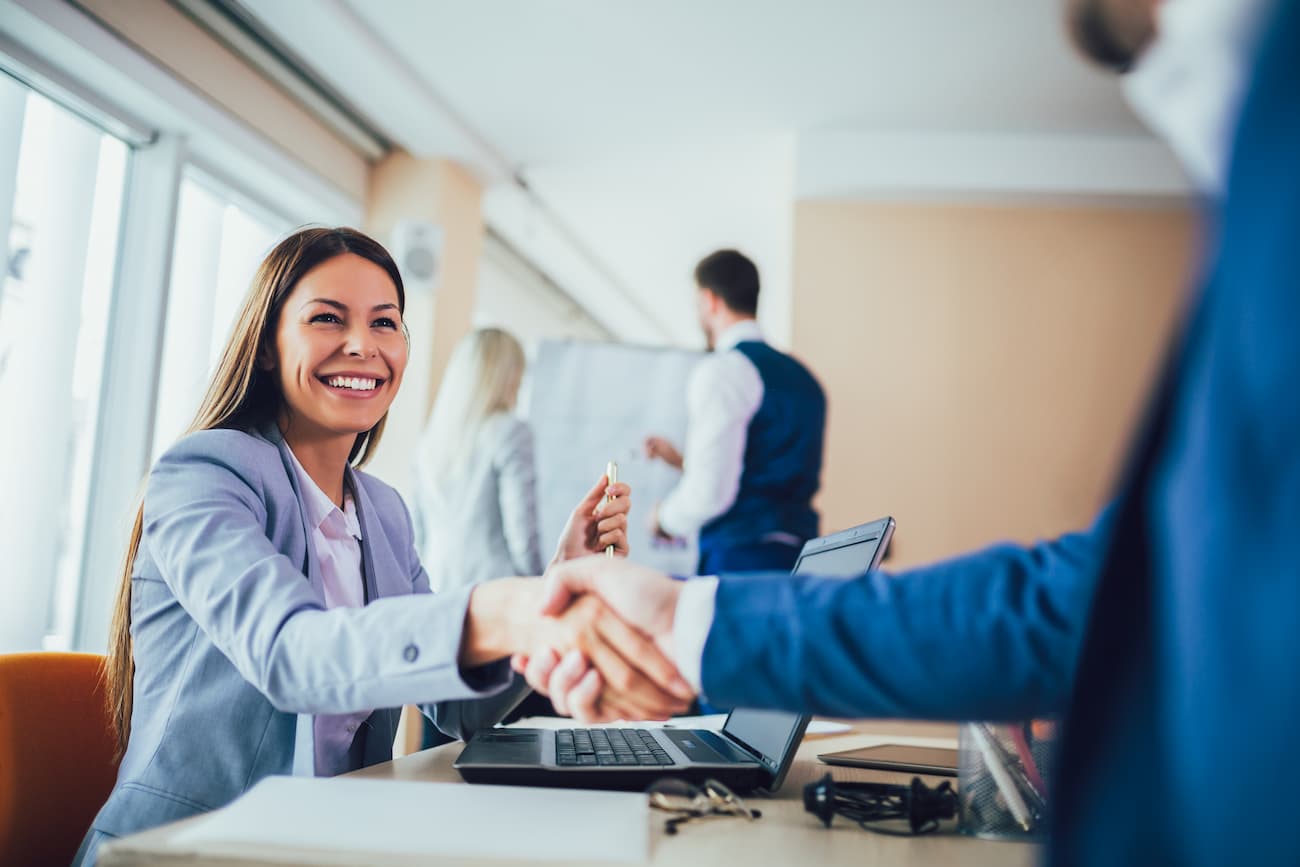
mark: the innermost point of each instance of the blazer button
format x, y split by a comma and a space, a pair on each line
411, 653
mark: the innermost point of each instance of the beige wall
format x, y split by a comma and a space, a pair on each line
984, 365
445, 194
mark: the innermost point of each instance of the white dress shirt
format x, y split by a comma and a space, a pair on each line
692, 621
724, 392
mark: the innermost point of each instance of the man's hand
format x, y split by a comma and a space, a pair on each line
658, 534
636, 678
505, 617
645, 598
662, 449
596, 523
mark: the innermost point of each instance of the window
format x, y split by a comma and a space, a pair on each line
133, 212
220, 241
61, 189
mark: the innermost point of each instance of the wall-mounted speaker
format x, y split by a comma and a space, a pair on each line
417, 248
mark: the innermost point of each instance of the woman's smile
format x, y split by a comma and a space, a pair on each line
353, 385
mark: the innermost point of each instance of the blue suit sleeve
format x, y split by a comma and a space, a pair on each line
992, 635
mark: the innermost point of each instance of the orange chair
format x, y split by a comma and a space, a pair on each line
56, 754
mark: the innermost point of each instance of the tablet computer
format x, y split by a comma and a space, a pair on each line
898, 757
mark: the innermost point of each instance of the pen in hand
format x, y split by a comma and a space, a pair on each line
611, 476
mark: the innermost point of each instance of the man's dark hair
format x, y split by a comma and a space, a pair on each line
1113, 35
731, 276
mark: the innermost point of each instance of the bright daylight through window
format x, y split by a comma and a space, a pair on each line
61, 184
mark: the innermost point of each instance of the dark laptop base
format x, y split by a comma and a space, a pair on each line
739, 780
525, 757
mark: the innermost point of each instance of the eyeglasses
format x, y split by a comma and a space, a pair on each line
688, 801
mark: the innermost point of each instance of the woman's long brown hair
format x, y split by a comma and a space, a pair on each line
242, 396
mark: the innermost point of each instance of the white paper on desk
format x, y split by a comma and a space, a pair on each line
826, 727
387, 817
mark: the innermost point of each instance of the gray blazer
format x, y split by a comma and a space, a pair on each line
488, 526
235, 650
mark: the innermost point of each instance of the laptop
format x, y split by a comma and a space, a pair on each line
753, 750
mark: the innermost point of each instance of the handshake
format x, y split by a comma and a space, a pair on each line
605, 647
595, 634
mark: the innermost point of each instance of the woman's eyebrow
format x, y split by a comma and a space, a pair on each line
338, 305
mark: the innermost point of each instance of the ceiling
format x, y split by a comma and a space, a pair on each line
563, 81
650, 134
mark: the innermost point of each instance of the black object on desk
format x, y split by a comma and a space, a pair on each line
875, 805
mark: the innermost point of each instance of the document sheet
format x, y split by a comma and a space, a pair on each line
378, 818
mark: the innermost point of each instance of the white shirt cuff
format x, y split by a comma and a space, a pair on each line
691, 624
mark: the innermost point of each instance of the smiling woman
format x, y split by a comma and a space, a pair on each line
339, 355
273, 614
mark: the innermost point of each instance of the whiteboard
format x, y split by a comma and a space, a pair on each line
589, 403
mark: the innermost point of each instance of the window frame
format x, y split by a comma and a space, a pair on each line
65, 55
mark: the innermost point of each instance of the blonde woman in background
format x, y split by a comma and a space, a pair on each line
475, 498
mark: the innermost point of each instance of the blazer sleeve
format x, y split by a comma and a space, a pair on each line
205, 518
993, 635
500, 688
516, 474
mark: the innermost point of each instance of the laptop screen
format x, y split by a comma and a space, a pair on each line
845, 554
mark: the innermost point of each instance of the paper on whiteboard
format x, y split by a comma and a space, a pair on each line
590, 403
378, 818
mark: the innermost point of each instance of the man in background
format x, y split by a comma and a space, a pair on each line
755, 424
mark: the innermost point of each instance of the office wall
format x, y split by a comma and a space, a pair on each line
445, 194
985, 365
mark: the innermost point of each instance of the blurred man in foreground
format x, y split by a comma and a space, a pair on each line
1179, 717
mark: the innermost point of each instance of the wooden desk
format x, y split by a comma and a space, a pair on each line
784, 835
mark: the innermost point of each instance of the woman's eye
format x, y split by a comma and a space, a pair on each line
385, 322
330, 318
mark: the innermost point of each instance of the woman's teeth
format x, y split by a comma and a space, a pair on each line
353, 382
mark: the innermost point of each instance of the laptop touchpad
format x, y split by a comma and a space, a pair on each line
503, 747
695, 746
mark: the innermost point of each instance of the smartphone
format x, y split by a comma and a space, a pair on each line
898, 757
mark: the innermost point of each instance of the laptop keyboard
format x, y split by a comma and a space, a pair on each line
609, 747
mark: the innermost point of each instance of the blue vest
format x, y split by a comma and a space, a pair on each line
783, 456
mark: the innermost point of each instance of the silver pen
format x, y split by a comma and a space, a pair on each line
611, 476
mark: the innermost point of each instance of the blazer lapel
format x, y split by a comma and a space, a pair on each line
310, 567
384, 576
304, 735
